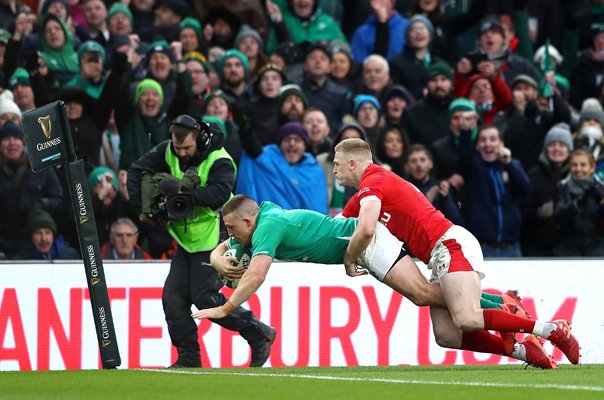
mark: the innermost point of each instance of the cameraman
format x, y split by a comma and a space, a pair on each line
191, 280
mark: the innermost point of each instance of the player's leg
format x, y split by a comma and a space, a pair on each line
448, 335
405, 278
461, 289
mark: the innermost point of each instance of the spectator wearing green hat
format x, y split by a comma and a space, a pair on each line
428, 119
191, 37
91, 78
146, 124
120, 19
234, 71
444, 150
20, 84
108, 202
44, 241
232, 141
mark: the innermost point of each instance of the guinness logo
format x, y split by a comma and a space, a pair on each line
46, 125
106, 342
83, 219
95, 281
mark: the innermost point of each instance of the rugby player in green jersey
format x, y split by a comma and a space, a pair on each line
307, 236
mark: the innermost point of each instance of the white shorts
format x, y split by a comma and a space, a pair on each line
382, 253
456, 250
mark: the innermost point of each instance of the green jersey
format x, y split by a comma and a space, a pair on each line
301, 235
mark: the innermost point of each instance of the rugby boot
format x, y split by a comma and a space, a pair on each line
511, 297
562, 338
261, 349
536, 354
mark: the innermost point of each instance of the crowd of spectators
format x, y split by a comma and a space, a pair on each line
492, 108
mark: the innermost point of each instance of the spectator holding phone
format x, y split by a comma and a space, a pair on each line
493, 47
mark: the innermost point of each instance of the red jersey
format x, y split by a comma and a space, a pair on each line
405, 211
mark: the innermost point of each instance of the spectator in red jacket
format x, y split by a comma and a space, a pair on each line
122, 244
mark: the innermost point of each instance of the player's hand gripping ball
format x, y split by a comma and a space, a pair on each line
244, 255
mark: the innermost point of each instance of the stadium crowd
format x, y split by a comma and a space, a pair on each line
286, 80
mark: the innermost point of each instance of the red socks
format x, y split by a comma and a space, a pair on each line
499, 320
483, 342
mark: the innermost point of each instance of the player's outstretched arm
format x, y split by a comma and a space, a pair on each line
249, 283
368, 217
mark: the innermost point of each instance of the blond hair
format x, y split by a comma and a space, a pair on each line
241, 205
356, 148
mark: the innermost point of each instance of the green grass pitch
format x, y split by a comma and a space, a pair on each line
504, 382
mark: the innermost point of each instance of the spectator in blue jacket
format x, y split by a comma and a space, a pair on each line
382, 33
45, 244
495, 183
284, 173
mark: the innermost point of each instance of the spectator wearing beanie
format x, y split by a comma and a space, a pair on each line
199, 70
527, 123
590, 135
366, 111
45, 243
168, 16
249, 42
120, 19
319, 88
108, 202
144, 126
410, 67
191, 37
444, 150
20, 84
9, 110
22, 190
91, 56
395, 101
233, 69
284, 172
292, 103
540, 234
428, 119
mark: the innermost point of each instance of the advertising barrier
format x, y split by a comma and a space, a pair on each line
323, 317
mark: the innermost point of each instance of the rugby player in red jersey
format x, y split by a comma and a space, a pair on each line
453, 254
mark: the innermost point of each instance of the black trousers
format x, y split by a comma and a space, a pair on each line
190, 282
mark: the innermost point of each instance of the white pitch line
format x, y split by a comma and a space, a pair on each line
383, 380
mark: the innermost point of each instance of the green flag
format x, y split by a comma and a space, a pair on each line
547, 65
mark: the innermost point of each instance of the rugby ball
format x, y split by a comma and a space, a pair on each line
244, 255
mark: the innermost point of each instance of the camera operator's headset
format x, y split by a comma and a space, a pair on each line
204, 133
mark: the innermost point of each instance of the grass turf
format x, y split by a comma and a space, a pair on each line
442, 382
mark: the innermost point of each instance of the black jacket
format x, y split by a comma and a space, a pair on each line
219, 186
